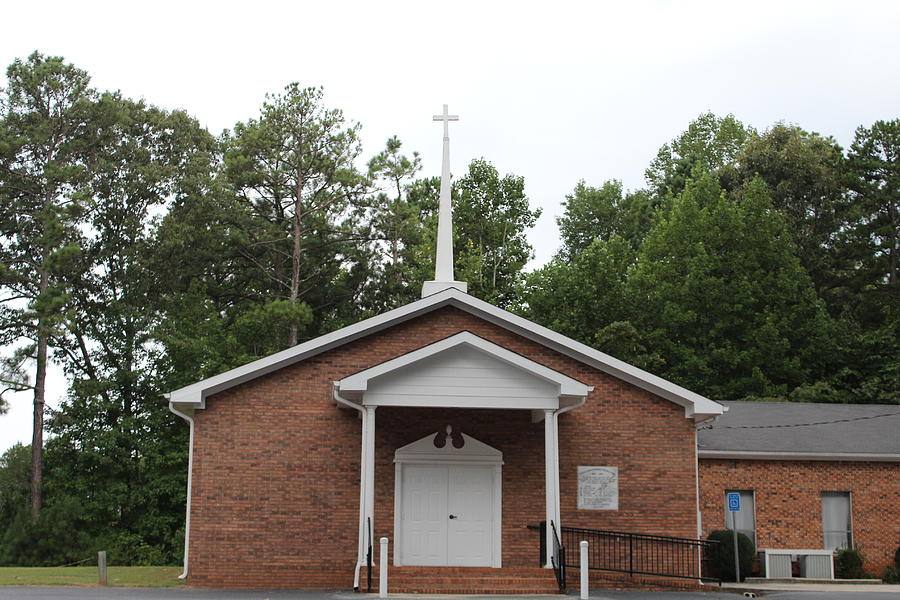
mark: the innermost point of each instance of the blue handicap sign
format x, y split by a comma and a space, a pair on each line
734, 502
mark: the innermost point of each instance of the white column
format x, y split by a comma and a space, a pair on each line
551, 481
363, 524
370, 467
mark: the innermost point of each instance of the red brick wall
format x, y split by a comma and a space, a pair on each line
276, 463
789, 505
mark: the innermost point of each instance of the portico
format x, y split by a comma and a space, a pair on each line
463, 371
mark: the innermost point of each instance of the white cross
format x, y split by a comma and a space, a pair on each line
446, 119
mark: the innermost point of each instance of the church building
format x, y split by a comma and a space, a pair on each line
449, 426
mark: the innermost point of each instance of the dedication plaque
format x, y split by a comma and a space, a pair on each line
598, 488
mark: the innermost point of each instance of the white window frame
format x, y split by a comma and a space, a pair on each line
752, 493
849, 531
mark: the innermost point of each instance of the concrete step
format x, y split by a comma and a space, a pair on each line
468, 580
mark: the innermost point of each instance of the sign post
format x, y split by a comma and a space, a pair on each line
734, 505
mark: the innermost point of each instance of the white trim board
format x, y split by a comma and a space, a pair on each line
775, 455
695, 406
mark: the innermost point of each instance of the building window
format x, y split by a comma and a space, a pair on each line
744, 518
836, 520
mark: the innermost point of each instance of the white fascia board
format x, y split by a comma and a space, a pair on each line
358, 382
695, 406
821, 456
196, 393
461, 402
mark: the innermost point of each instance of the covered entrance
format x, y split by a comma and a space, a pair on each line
447, 502
447, 485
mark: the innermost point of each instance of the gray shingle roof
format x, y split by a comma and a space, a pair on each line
804, 428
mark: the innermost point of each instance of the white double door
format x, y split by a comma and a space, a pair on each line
447, 515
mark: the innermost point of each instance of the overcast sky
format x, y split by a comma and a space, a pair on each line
552, 91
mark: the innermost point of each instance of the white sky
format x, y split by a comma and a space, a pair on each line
553, 91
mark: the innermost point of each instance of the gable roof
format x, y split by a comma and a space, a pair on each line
695, 405
802, 431
465, 370
568, 386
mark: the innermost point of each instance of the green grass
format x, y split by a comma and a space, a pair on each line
87, 576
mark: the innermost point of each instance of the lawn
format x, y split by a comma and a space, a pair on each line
117, 576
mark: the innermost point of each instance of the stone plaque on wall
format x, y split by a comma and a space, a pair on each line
598, 488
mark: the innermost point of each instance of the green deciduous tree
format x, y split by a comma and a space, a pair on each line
723, 298
804, 175
599, 213
710, 143
119, 454
491, 217
874, 163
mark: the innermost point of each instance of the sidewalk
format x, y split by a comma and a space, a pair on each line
811, 587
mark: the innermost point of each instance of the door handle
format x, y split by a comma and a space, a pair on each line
452, 516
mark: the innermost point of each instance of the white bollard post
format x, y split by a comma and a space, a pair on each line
583, 563
382, 568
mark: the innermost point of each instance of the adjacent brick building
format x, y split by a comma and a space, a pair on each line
812, 476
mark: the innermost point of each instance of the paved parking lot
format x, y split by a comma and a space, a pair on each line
832, 592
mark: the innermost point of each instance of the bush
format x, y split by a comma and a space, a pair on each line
891, 575
848, 564
721, 556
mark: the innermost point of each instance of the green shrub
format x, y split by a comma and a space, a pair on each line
891, 575
720, 556
897, 558
848, 564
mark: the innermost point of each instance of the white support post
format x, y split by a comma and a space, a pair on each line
583, 565
383, 568
370, 469
550, 481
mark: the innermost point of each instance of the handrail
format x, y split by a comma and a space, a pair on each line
640, 553
558, 559
369, 557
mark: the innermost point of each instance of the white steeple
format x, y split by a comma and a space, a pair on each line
443, 264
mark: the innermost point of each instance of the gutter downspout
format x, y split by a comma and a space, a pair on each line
361, 550
556, 414
187, 510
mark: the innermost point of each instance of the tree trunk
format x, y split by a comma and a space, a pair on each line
37, 438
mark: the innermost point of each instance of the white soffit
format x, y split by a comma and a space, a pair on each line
695, 405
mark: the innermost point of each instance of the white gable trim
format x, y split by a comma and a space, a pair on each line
695, 406
560, 386
424, 451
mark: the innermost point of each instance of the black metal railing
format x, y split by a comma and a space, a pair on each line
369, 557
637, 553
558, 559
